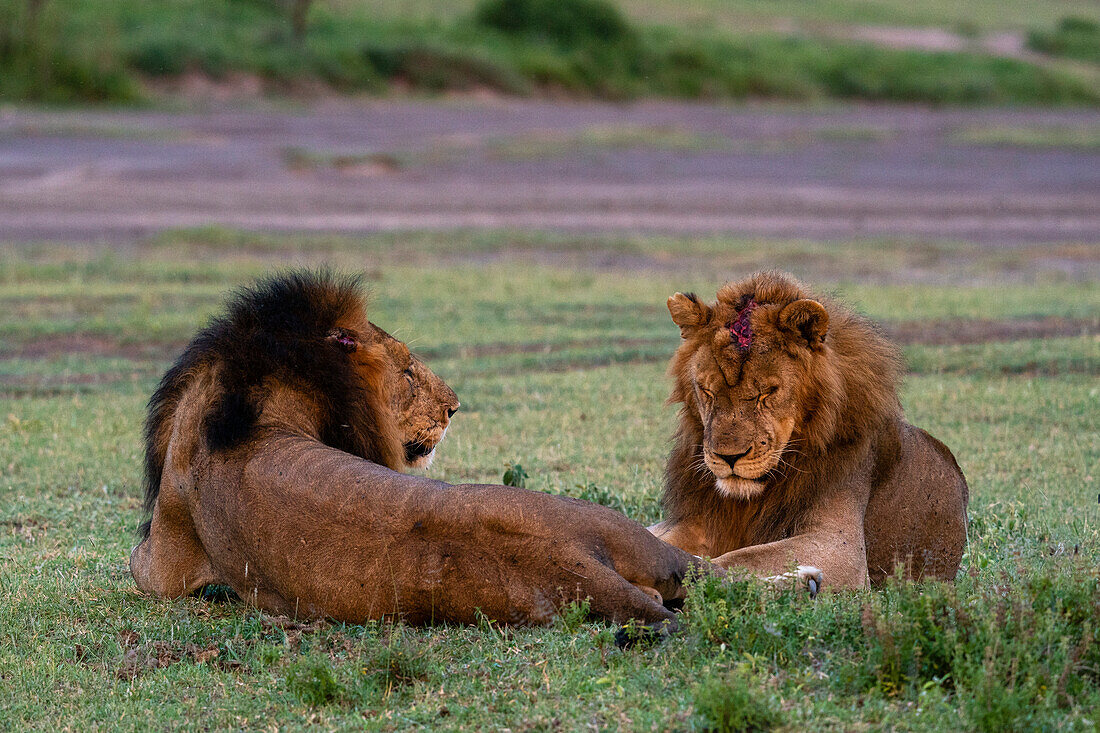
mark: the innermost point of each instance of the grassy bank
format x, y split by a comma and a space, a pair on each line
90, 50
560, 369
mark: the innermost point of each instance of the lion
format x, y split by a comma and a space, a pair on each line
792, 446
273, 449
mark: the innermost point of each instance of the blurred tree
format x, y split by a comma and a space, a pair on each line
299, 11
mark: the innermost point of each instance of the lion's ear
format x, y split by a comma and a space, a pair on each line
688, 312
344, 339
807, 319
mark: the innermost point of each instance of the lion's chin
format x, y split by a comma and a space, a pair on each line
420, 454
422, 461
736, 487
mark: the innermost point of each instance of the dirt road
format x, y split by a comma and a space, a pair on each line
678, 168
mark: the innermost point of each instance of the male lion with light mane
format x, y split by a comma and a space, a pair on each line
792, 446
272, 455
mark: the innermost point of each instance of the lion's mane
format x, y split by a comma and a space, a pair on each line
274, 334
848, 391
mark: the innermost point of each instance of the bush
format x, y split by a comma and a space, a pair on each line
438, 69
1076, 38
567, 22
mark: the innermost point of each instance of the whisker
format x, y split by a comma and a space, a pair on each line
790, 465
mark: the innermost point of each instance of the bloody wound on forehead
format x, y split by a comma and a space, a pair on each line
740, 328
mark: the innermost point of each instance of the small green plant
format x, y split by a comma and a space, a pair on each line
514, 475
485, 624
635, 634
401, 662
731, 704
267, 656
313, 683
574, 614
601, 495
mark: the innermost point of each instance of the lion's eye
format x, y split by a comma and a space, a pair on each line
409, 376
705, 392
763, 396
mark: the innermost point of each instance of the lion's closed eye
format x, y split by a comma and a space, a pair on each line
762, 396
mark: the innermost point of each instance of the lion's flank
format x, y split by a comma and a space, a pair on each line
273, 333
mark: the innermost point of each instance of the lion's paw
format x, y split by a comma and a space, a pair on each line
811, 577
806, 576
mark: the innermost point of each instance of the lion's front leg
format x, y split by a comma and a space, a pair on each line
826, 559
171, 561
687, 535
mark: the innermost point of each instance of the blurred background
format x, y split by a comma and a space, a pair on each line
816, 119
820, 119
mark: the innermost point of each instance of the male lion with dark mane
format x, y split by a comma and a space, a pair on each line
272, 451
792, 446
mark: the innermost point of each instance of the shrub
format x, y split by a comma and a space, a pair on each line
572, 615
1077, 38
599, 495
436, 69
566, 22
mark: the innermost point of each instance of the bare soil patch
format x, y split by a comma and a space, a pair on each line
771, 172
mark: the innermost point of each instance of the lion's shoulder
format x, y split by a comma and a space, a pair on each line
270, 333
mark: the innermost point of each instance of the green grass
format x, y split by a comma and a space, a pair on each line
352, 47
560, 370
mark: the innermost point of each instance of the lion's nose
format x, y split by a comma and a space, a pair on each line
730, 458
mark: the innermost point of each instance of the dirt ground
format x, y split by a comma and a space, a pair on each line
679, 168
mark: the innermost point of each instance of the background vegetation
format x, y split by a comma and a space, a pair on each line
560, 370
124, 50
1075, 38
